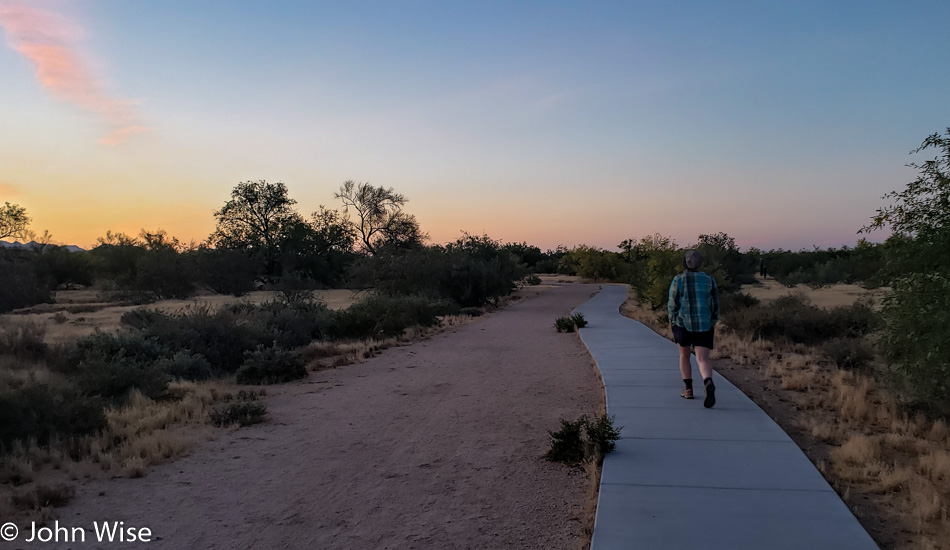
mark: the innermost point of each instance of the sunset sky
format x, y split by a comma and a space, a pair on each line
551, 122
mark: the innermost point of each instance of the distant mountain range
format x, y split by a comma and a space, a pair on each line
35, 245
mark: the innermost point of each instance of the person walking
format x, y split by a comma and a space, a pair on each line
693, 308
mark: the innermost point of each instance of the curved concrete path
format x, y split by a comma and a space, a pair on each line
688, 477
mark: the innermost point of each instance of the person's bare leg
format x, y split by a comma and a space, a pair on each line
702, 358
705, 370
686, 368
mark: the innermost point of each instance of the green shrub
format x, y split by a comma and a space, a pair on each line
381, 316
532, 280
270, 365
602, 433
185, 365
848, 353
130, 346
570, 323
472, 271
39, 411
113, 377
915, 339
227, 271
567, 444
471, 311
244, 412
222, 337
166, 273
734, 301
579, 440
294, 321
20, 283
855, 320
793, 319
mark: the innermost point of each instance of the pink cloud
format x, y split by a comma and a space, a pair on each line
49, 41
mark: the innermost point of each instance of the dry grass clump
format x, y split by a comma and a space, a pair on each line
141, 433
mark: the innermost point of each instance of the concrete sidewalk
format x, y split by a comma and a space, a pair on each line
688, 477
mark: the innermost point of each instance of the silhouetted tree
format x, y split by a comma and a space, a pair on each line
381, 220
13, 221
255, 220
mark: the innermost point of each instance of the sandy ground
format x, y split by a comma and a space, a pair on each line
828, 297
433, 445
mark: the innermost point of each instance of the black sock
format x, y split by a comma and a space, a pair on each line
689, 383
707, 381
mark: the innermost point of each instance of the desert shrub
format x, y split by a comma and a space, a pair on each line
472, 271
792, 318
20, 283
270, 365
593, 263
855, 320
23, 340
380, 316
185, 365
64, 268
293, 321
570, 323
132, 346
244, 412
166, 273
567, 444
41, 496
603, 434
915, 338
222, 337
532, 280
471, 311
39, 411
733, 301
113, 377
227, 271
117, 262
848, 353
578, 440
142, 318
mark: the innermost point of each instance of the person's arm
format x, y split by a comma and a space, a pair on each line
673, 304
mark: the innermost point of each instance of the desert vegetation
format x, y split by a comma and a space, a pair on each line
155, 355
866, 373
861, 384
583, 440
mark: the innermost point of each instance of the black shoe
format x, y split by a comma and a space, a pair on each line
710, 395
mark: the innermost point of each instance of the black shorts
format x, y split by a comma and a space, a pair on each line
686, 338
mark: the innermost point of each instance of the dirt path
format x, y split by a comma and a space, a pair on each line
433, 445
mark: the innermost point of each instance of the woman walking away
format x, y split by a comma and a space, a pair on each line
694, 310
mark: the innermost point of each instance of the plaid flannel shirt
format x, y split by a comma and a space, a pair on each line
694, 301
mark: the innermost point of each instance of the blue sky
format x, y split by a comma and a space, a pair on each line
782, 124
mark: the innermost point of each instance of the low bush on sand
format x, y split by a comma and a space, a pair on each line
245, 411
270, 365
583, 439
570, 323
40, 411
